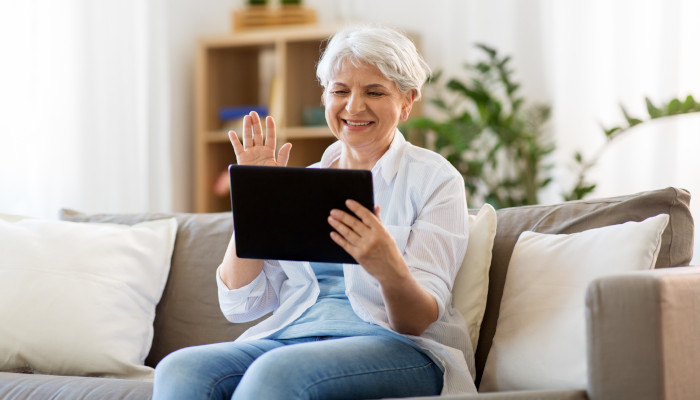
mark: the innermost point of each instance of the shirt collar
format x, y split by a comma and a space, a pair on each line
387, 166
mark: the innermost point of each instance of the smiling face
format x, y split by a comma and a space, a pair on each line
363, 108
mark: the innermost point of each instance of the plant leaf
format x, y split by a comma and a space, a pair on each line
654, 112
609, 133
440, 103
489, 50
674, 107
690, 104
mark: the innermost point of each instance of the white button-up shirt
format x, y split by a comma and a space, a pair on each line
423, 206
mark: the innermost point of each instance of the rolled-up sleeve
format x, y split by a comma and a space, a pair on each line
253, 300
438, 241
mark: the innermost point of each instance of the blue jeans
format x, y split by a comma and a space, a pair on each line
358, 367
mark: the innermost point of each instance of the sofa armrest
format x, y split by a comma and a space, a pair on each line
643, 331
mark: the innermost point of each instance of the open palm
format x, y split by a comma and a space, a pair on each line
255, 150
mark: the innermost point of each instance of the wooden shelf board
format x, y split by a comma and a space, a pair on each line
257, 17
304, 132
269, 36
218, 136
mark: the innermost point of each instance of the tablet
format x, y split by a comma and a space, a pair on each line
281, 213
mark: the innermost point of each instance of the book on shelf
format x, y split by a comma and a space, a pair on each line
229, 113
231, 117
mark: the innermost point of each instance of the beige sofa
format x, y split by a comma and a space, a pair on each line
642, 329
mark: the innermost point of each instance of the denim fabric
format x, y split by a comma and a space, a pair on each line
302, 362
359, 367
332, 314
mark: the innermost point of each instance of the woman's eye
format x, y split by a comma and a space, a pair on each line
339, 92
376, 94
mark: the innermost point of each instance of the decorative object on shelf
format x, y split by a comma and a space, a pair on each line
259, 15
232, 117
313, 116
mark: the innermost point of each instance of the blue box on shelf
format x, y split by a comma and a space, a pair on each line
231, 113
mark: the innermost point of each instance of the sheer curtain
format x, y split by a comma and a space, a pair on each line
603, 54
84, 107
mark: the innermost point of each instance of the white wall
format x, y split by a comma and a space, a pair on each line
187, 21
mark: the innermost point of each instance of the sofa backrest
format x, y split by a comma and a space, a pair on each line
577, 216
189, 314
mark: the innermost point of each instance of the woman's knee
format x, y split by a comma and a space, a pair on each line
178, 364
272, 375
272, 364
195, 373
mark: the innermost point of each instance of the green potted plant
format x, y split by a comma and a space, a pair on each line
489, 133
499, 142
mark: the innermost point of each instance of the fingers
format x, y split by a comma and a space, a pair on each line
283, 156
347, 220
340, 241
271, 133
367, 216
271, 142
252, 130
348, 226
247, 132
361, 235
237, 146
256, 125
255, 148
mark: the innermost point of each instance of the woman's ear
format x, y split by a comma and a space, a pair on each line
407, 106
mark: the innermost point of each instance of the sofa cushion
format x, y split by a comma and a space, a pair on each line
577, 216
188, 313
540, 340
35, 386
79, 299
471, 285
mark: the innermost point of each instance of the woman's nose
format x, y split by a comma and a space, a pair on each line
355, 104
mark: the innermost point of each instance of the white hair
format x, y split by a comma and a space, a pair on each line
390, 51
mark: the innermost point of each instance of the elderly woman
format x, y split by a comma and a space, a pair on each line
383, 328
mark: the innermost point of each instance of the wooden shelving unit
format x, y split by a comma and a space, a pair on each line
275, 67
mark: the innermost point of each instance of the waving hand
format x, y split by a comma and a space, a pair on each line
254, 150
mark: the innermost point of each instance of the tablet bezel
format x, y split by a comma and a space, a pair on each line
281, 213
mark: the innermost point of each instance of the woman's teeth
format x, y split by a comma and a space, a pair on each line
357, 123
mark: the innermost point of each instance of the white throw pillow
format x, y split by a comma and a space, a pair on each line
540, 340
472, 281
78, 298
